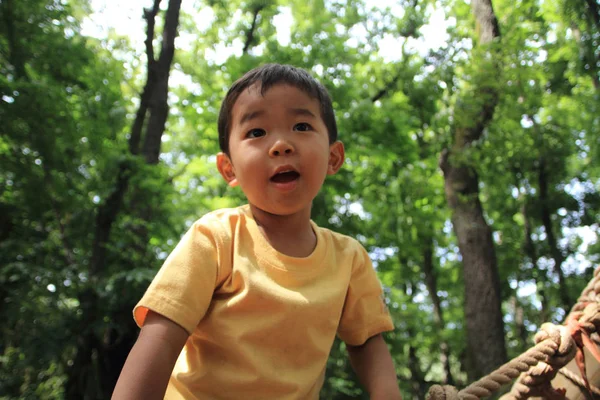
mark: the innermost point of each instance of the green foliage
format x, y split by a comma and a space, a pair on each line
68, 103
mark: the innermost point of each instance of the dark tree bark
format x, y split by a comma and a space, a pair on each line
587, 54
531, 252
250, 34
485, 327
140, 116
15, 50
417, 376
438, 315
594, 13
521, 329
427, 264
159, 108
557, 256
387, 88
99, 360
6, 222
154, 102
158, 111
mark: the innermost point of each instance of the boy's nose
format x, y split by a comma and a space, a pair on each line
281, 147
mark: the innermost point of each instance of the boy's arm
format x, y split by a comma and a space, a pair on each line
374, 367
146, 372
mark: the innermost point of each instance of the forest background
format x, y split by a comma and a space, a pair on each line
472, 174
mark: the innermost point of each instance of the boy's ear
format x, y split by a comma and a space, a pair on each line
336, 157
226, 169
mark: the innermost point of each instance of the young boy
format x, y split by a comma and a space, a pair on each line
248, 304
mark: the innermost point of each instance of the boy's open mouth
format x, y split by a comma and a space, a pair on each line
284, 177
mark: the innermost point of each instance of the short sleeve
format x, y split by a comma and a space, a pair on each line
183, 288
365, 313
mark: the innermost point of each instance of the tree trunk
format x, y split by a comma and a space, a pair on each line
551, 239
159, 108
426, 235
15, 53
438, 316
589, 57
521, 330
417, 376
594, 13
98, 361
485, 327
540, 281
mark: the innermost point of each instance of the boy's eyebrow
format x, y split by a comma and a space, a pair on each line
295, 111
302, 111
251, 115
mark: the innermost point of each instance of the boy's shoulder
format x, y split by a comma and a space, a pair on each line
220, 224
341, 241
337, 235
223, 215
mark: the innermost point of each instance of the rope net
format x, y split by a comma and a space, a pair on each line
556, 346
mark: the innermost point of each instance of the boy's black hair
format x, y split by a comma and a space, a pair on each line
267, 76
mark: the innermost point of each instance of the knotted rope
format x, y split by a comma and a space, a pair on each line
555, 347
576, 379
590, 294
536, 381
556, 342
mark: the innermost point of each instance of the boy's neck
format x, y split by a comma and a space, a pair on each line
291, 235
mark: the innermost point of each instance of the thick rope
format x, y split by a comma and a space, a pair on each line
542, 352
590, 294
556, 346
536, 381
576, 379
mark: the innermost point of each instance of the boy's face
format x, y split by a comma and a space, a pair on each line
279, 151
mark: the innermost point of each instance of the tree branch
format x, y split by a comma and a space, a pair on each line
386, 89
250, 33
15, 56
69, 256
392, 84
108, 211
140, 116
177, 174
595, 12
159, 108
106, 216
150, 17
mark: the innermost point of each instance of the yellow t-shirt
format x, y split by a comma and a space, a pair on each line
261, 323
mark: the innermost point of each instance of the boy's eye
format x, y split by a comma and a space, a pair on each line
303, 127
254, 133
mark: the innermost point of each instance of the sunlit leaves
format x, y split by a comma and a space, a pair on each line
68, 102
